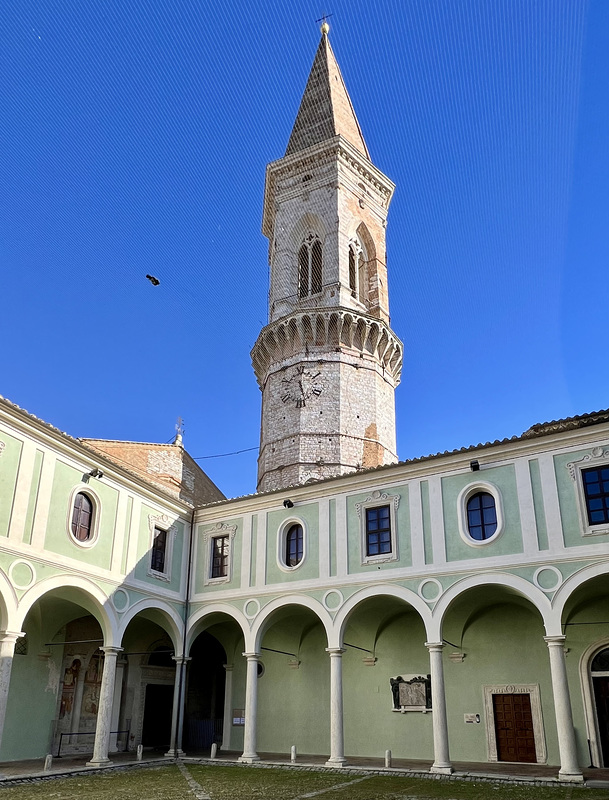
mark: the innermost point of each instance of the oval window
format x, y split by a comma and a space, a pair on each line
82, 517
481, 516
294, 544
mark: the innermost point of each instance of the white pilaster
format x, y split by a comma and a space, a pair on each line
417, 538
7, 651
436, 517
530, 542
179, 692
118, 539
104, 714
251, 709
324, 537
44, 500
22, 491
569, 766
441, 762
246, 551
337, 739
228, 707
261, 549
550, 502
342, 553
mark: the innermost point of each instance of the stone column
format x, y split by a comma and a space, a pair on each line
104, 712
337, 739
441, 762
179, 700
228, 706
251, 708
7, 651
569, 766
116, 704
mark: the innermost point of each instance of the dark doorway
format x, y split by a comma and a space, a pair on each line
514, 728
156, 730
601, 697
205, 694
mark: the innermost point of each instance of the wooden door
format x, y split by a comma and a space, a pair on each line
514, 727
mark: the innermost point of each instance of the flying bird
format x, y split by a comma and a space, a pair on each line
154, 281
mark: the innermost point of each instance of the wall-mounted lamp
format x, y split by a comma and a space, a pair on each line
474, 465
96, 473
288, 504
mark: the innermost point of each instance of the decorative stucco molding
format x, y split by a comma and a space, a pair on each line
596, 457
532, 689
165, 523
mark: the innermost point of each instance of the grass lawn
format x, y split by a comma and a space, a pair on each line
247, 783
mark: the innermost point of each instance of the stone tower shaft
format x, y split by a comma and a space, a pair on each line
327, 363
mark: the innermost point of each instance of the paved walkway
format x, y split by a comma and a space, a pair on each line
515, 773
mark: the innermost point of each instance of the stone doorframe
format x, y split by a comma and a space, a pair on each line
532, 689
149, 674
589, 701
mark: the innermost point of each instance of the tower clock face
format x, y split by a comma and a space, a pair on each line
301, 385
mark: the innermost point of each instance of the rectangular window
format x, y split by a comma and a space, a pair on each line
378, 531
219, 557
159, 546
596, 492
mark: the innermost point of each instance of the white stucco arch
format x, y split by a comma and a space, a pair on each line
174, 624
9, 617
95, 601
568, 588
194, 628
505, 580
399, 592
262, 620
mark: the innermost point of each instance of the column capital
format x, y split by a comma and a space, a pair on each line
11, 636
111, 650
555, 641
180, 660
434, 646
251, 656
228, 667
336, 651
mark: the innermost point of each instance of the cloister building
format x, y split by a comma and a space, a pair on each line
448, 608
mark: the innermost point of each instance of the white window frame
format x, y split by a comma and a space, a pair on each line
375, 500
164, 523
281, 543
84, 488
597, 457
218, 530
464, 496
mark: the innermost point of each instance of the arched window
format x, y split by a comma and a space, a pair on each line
358, 279
481, 516
82, 517
294, 546
601, 662
310, 267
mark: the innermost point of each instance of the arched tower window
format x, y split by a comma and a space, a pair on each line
310, 264
358, 278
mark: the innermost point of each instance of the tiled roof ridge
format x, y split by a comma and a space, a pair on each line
128, 441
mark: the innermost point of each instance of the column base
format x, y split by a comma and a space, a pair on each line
104, 763
442, 769
571, 777
177, 753
336, 762
248, 759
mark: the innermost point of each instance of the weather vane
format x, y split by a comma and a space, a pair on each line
180, 426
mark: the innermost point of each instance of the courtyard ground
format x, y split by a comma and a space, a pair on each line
190, 780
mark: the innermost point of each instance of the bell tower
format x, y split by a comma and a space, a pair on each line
327, 362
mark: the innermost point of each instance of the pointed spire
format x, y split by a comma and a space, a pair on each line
325, 109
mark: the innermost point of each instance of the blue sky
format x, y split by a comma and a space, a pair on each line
134, 140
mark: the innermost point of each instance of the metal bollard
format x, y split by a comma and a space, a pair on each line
387, 759
48, 763
214, 750
140, 751
293, 754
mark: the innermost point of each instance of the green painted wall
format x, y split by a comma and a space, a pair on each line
509, 542
276, 532
540, 514
58, 538
9, 465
